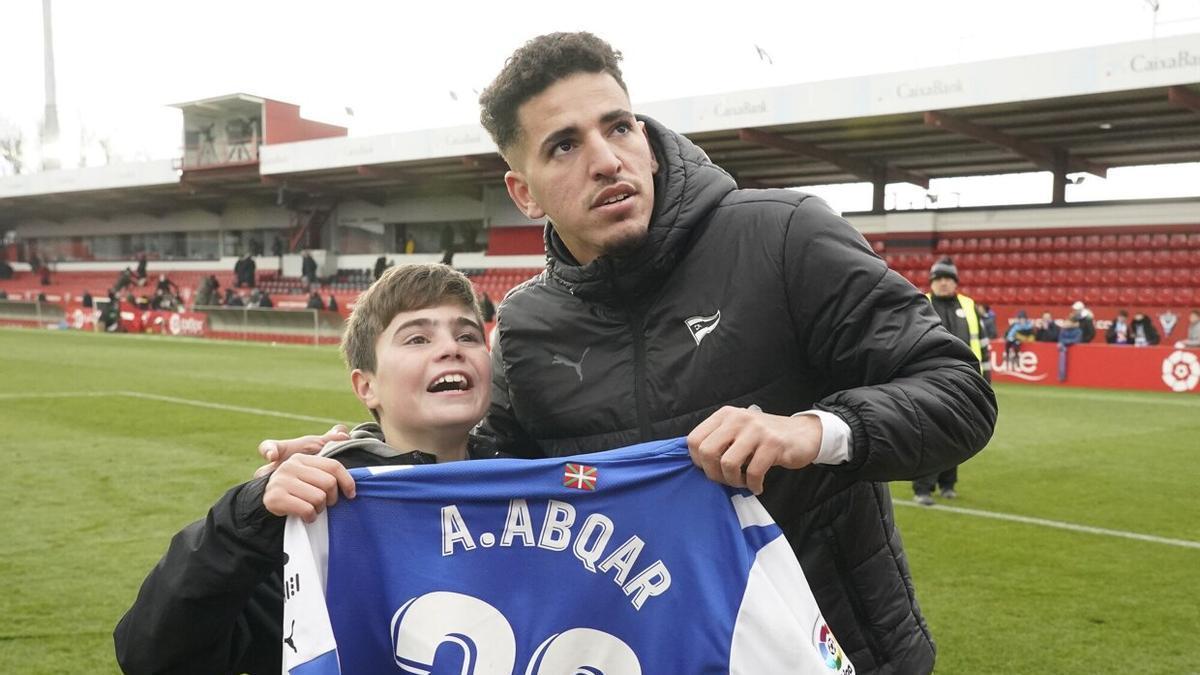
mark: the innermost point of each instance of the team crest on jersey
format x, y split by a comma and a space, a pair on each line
829, 649
580, 477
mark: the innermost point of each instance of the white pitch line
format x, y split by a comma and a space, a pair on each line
229, 408
59, 394
1057, 524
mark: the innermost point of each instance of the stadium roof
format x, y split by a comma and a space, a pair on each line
1084, 110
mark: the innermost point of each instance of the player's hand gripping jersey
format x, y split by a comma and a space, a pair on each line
622, 562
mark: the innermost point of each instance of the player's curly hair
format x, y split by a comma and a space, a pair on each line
535, 66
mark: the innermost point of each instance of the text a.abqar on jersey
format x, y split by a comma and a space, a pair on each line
589, 542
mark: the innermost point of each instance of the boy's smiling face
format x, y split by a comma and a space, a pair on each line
433, 374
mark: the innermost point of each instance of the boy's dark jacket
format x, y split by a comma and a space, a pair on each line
214, 603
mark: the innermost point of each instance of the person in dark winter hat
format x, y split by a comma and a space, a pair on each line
961, 317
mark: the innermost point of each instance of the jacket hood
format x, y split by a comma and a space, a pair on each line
687, 187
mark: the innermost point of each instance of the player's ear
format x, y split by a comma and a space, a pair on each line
518, 190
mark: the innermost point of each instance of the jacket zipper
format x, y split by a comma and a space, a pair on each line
639, 370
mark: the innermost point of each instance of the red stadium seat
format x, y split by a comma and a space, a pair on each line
1076, 293
1061, 243
1145, 276
1077, 259
1164, 276
985, 244
1014, 243
1091, 242
983, 260
1043, 276
956, 245
1164, 296
1181, 276
1108, 242
971, 244
1178, 240
921, 276
1126, 276
1093, 277
1013, 276
1160, 240
1093, 258
1196, 278
1075, 242
1045, 259
1059, 295
1180, 256
1027, 259
1060, 276
1194, 240
1029, 243
1045, 243
1124, 242
1162, 258
966, 260
1000, 244
1109, 259
1075, 276
1025, 295
1185, 297
1146, 295
1141, 241
943, 245
1062, 259
1110, 295
1127, 295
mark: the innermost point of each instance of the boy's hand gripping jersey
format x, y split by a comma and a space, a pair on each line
623, 562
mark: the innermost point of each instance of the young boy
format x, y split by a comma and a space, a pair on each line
214, 603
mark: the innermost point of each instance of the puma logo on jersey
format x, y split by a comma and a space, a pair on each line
560, 360
701, 326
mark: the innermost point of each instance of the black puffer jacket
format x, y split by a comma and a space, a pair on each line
788, 309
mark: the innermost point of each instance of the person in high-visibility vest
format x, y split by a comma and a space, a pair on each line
961, 317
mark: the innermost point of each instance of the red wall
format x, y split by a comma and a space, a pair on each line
517, 240
283, 124
1163, 369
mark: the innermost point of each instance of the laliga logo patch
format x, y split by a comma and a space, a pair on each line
1181, 371
829, 649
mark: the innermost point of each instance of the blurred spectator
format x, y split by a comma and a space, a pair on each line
166, 285
233, 299
1069, 334
410, 245
1021, 330
308, 269
1119, 332
259, 298
256, 247
244, 271
314, 301
110, 316
207, 294
960, 316
1168, 321
41, 297
486, 307
988, 319
124, 280
277, 247
6, 270
1144, 332
333, 305
140, 274
3, 294
1048, 330
44, 275
1084, 320
86, 300
381, 264
1193, 333
35, 263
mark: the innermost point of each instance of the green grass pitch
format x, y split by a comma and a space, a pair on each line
96, 482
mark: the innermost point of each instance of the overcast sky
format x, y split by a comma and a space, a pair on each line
404, 65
